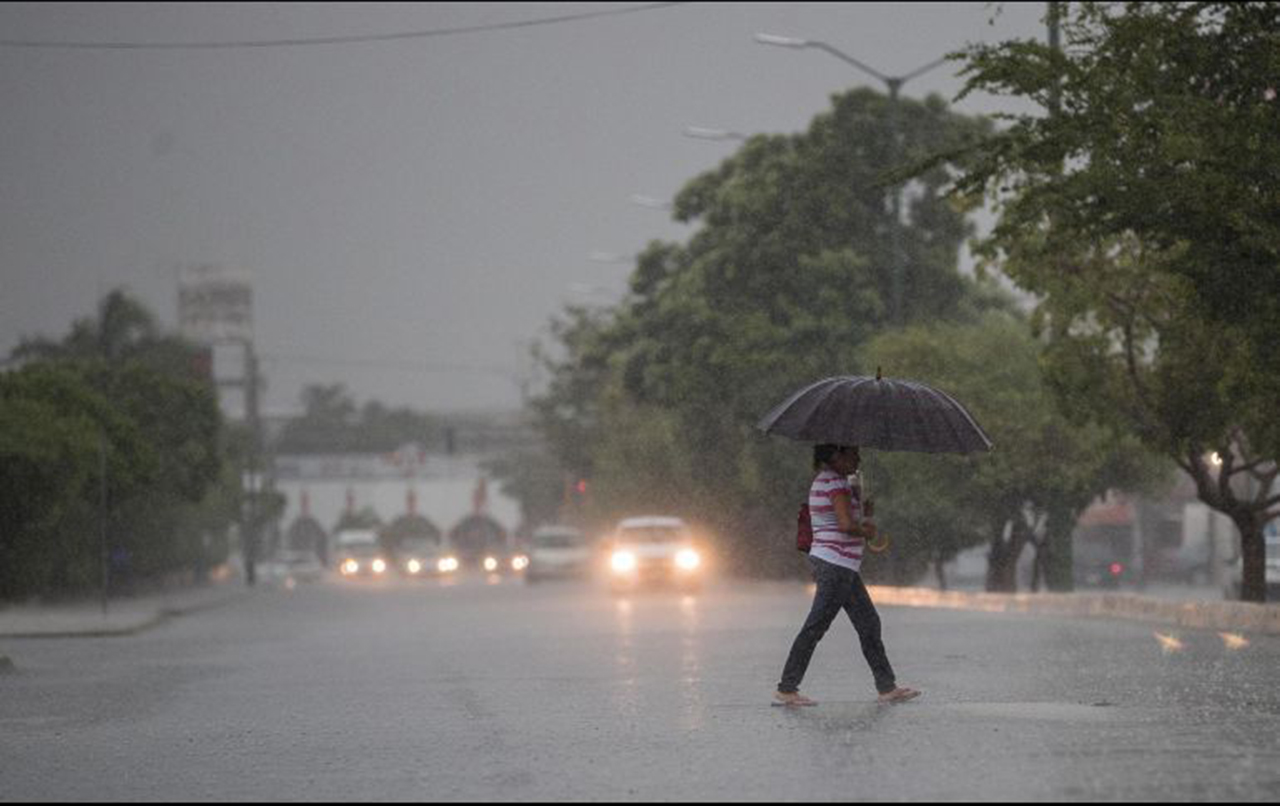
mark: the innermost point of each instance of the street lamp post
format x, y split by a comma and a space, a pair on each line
893, 84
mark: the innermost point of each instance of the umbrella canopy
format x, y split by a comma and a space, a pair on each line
879, 413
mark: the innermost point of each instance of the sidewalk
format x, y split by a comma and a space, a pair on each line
124, 616
1162, 608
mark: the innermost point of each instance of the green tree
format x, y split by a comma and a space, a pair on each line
1143, 214
785, 278
1029, 491
156, 418
57, 433
124, 330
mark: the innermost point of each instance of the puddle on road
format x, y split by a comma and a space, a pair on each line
1065, 711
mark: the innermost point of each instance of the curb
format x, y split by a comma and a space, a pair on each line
1262, 618
161, 615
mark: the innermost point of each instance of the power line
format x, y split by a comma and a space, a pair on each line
329, 40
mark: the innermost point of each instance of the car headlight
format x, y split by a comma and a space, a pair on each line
447, 565
379, 566
623, 562
688, 560
519, 562
490, 564
414, 567
350, 567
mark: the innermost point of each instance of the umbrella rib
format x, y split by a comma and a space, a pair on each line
918, 397
955, 404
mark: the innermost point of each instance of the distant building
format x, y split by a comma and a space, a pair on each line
409, 481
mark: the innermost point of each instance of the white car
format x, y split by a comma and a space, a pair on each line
298, 566
359, 553
654, 549
422, 557
558, 552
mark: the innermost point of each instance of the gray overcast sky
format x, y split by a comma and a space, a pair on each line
432, 201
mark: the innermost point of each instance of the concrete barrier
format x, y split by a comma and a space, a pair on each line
1230, 616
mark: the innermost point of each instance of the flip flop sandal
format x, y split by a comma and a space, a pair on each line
802, 702
901, 695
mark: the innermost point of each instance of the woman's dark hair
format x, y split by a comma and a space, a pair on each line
823, 453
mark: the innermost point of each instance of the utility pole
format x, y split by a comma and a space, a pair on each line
104, 555
252, 463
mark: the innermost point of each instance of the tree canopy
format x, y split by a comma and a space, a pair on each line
787, 275
1143, 210
115, 408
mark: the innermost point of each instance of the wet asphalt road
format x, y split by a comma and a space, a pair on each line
565, 692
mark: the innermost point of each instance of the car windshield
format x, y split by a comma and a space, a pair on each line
558, 541
652, 534
360, 549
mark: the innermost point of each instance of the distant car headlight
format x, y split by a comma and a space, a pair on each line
623, 562
519, 562
688, 560
447, 565
414, 567
350, 567
379, 566
490, 564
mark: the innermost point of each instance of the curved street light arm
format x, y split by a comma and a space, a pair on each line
847, 59
921, 71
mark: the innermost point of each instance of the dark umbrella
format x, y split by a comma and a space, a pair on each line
879, 413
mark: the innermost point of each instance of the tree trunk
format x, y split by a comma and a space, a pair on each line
1249, 512
1002, 562
938, 563
1253, 550
1059, 561
1038, 565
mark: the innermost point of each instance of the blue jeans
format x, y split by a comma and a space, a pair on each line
838, 589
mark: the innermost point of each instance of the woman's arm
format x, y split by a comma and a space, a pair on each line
844, 517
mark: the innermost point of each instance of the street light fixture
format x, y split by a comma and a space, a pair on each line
893, 84
701, 133
609, 257
650, 201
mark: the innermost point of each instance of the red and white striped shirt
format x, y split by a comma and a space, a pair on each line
829, 543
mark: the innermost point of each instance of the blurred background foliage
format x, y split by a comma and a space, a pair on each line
121, 413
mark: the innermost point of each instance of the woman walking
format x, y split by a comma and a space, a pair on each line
839, 537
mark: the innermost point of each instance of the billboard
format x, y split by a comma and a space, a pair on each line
215, 305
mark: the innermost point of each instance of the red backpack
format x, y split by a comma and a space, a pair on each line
804, 529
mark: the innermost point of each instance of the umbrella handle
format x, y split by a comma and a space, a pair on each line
882, 546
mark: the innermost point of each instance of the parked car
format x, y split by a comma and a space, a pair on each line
299, 566
559, 552
654, 550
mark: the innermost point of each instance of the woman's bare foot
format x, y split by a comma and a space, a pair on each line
899, 694
791, 698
